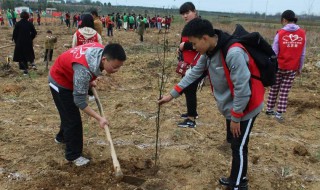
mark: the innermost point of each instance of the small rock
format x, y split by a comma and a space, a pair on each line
118, 105
140, 164
2, 170
255, 159
300, 150
318, 64
313, 160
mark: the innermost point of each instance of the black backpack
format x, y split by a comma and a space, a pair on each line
260, 50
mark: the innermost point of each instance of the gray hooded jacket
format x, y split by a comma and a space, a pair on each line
237, 60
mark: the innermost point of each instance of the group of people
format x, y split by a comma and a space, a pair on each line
11, 16
130, 22
239, 96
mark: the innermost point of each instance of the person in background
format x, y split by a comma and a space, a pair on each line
39, 18
159, 24
61, 19
75, 20
154, 22
125, 21
169, 22
9, 17
110, 25
189, 55
131, 22
14, 17
71, 76
67, 20
78, 20
49, 45
31, 18
103, 20
97, 23
118, 20
141, 27
290, 47
86, 32
23, 35
1, 20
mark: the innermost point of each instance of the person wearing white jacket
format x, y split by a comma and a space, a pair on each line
86, 33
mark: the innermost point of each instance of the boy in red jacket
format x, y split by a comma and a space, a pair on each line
70, 78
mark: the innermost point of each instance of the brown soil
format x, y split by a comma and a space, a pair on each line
282, 156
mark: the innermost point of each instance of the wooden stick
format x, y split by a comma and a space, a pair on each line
116, 165
6, 46
40, 103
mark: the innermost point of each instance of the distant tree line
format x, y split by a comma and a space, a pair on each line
104, 8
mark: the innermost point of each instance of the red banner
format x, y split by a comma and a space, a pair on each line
56, 14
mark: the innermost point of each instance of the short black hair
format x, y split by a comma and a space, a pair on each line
87, 21
94, 12
24, 15
114, 51
49, 32
198, 27
289, 15
186, 7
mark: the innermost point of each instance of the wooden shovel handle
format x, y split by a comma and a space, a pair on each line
116, 165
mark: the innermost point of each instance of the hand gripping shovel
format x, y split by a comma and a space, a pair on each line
116, 165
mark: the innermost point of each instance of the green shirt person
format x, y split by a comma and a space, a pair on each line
9, 15
125, 18
131, 20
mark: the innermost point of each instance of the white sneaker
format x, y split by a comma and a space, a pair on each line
92, 98
81, 161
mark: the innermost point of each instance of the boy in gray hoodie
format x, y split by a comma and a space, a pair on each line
239, 96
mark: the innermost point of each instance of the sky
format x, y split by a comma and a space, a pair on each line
242, 6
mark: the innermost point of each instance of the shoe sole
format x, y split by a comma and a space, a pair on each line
183, 126
58, 142
182, 117
80, 165
242, 187
186, 126
279, 120
270, 114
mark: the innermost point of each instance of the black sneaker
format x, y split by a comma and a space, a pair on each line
187, 123
185, 116
226, 182
25, 72
270, 112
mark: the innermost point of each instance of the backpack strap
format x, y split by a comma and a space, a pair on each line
251, 60
225, 67
227, 73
